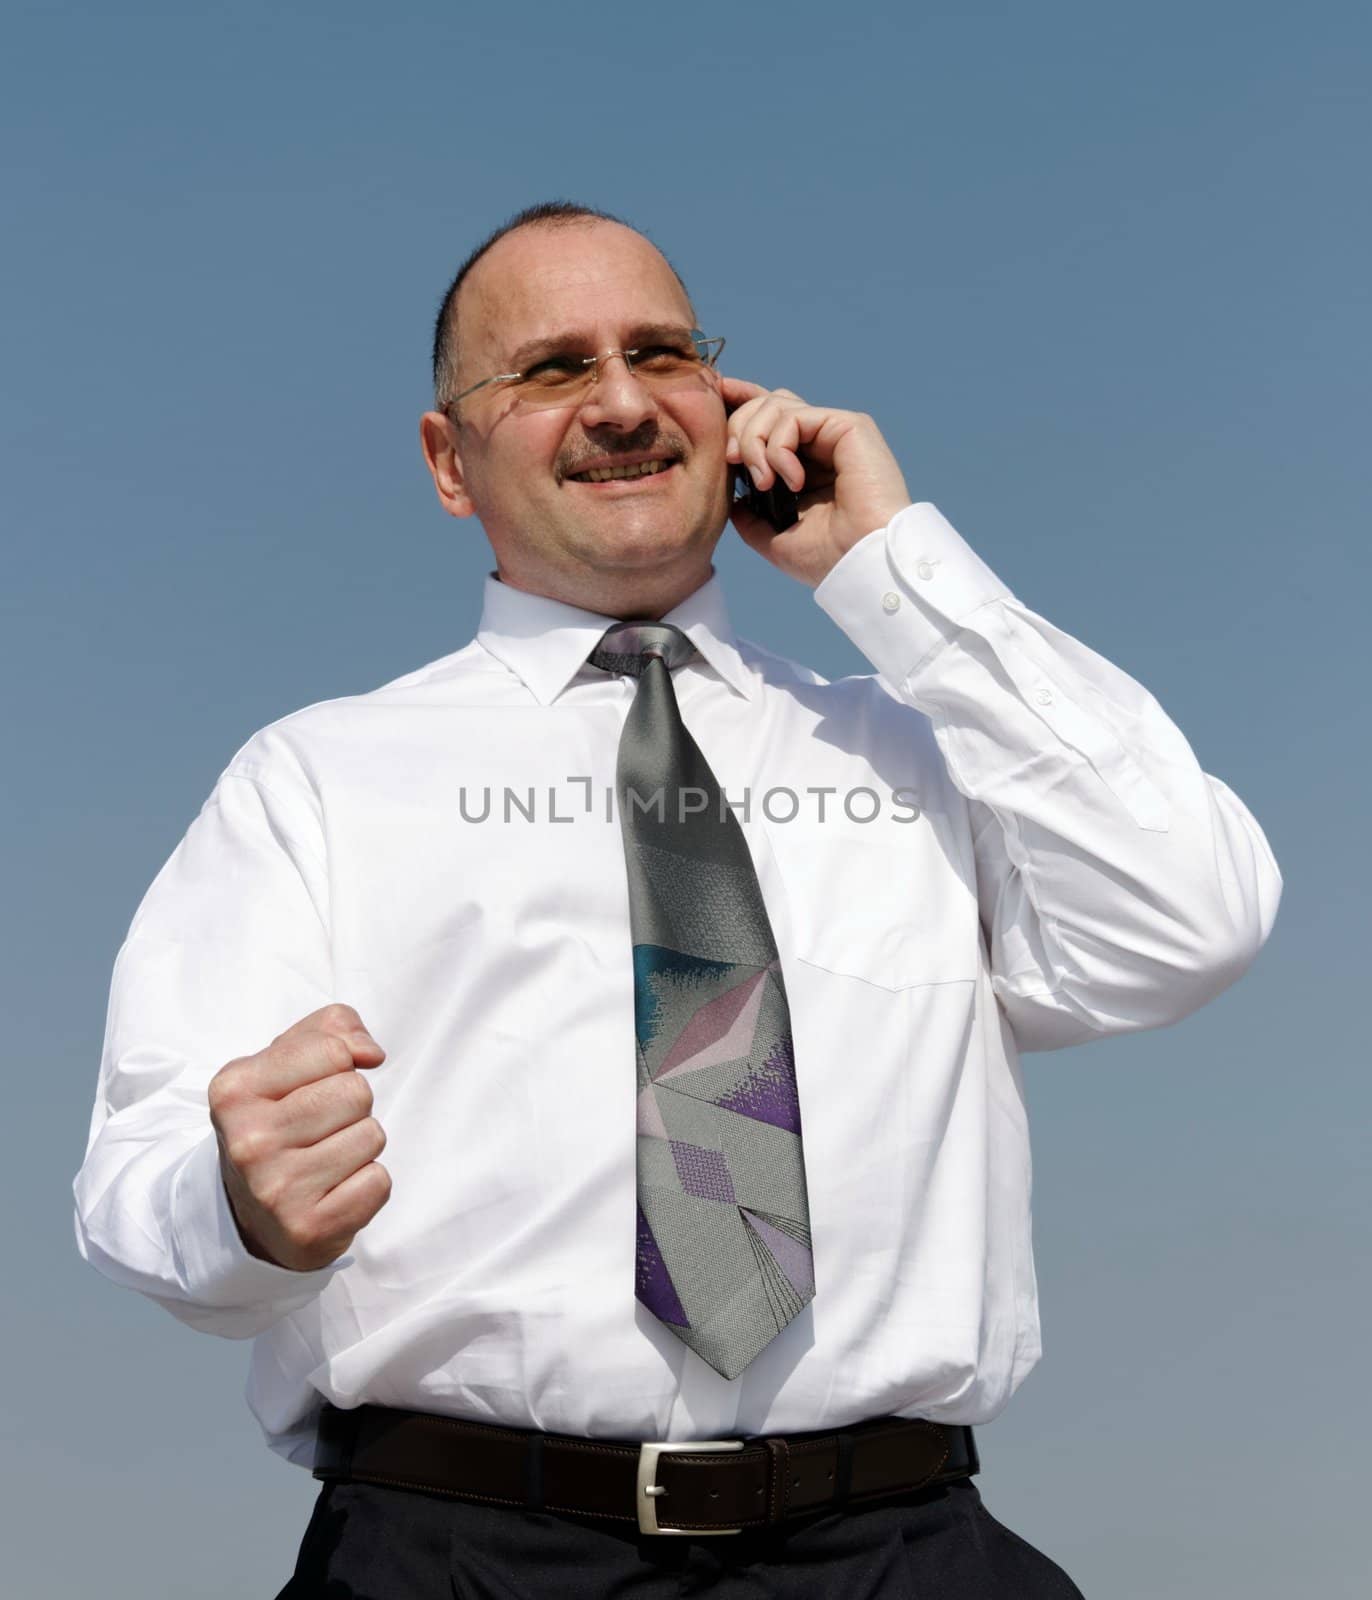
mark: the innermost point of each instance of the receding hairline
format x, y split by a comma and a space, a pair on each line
551, 215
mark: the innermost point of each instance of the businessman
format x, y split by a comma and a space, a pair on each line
683, 991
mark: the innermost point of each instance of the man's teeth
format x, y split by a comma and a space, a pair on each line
644, 469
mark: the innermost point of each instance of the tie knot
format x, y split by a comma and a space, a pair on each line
629, 646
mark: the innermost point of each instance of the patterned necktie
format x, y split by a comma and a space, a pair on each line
724, 1255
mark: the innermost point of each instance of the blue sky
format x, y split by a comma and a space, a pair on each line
1100, 273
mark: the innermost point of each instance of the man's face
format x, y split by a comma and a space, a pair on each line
590, 288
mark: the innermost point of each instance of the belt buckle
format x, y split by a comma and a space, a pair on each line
649, 1489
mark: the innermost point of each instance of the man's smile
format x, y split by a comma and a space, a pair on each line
624, 473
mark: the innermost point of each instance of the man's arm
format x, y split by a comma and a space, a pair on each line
228, 949
1120, 886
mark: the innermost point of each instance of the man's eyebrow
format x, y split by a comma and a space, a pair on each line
532, 349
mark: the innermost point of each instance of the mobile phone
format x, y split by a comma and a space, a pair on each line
777, 506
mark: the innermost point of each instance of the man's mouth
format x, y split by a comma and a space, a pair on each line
639, 469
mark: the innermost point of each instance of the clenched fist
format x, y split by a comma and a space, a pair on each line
297, 1141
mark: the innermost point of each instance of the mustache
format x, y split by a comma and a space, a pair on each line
652, 439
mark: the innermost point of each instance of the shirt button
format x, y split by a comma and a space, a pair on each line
890, 602
924, 570
1044, 697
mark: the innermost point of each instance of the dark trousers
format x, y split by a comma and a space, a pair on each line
365, 1542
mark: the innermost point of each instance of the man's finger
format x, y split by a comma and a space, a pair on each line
300, 1058
336, 1017
771, 441
812, 430
334, 1160
315, 1110
350, 1205
737, 390
772, 446
750, 425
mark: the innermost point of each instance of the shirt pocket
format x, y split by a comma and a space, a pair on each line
886, 906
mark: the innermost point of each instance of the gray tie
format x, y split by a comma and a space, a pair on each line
724, 1256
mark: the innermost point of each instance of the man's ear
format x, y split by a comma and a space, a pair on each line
442, 456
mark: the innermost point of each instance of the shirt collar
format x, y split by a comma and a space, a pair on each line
545, 642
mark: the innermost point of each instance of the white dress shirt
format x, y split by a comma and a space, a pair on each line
1045, 862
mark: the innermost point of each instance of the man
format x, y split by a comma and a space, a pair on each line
683, 990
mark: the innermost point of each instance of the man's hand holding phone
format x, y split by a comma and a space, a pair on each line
847, 482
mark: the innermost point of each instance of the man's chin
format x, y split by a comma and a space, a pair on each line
643, 543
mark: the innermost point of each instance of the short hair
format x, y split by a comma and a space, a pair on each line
546, 214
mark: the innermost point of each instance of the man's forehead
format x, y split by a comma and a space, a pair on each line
547, 281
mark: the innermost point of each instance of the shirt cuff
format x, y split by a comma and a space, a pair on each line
903, 591
216, 1267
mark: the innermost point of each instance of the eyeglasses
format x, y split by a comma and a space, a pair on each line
673, 361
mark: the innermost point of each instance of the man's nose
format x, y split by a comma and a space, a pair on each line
619, 398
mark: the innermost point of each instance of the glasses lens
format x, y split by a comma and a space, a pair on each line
559, 381
664, 367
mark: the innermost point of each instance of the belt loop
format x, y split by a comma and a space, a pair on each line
780, 1459
844, 1486
533, 1471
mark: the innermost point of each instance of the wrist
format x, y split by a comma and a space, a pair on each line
245, 1234
877, 522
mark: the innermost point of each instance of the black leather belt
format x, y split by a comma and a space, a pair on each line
701, 1486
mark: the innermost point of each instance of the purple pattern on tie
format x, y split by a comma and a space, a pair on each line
703, 1173
653, 1283
769, 1095
795, 1259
